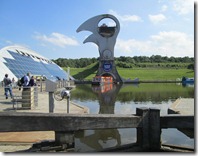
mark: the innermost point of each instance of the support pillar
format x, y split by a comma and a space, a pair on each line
65, 139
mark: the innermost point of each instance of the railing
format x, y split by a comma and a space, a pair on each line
147, 121
64, 83
60, 84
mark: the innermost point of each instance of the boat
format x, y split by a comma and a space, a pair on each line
187, 80
136, 80
101, 80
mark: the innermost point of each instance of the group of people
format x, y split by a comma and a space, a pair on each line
27, 81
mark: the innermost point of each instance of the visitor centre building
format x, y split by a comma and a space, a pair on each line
16, 61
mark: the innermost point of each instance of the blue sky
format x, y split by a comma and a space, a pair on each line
148, 27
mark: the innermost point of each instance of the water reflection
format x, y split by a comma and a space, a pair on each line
126, 93
99, 139
107, 97
114, 99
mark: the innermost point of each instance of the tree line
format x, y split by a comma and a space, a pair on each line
130, 62
75, 63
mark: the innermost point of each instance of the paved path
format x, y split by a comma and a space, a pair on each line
183, 106
16, 141
43, 104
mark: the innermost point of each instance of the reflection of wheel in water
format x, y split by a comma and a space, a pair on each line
57, 95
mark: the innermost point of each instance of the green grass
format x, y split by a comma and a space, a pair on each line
84, 73
142, 73
155, 74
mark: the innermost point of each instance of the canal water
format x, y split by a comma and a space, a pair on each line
124, 99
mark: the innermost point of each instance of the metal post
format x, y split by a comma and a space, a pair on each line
51, 102
67, 104
68, 73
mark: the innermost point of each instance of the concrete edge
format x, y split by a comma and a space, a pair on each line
85, 109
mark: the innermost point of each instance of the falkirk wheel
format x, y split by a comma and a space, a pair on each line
104, 37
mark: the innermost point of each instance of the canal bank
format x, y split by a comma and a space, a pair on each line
16, 141
132, 82
183, 106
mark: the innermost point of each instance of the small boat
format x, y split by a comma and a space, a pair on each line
136, 80
187, 80
100, 80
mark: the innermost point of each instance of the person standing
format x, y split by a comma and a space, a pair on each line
7, 86
32, 83
26, 92
26, 80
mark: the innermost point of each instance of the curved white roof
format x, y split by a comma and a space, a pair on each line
20, 49
17, 61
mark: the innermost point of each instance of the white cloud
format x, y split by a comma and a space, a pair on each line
157, 18
130, 18
174, 43
164, 8
129, 46
126, 18
183, 6
170, 43
57, 39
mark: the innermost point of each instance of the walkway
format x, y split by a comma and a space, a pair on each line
183, 106
16, 141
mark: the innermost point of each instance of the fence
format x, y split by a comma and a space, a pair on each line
147, 122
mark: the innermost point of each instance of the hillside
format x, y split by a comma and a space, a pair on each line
148, 72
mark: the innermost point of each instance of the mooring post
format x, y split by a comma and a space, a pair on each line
65, 139
143, 131
154, 129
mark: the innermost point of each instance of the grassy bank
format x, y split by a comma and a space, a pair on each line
141, 73
155, 74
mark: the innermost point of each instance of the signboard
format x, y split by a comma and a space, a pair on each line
107, 66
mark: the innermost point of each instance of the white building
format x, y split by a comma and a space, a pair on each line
17, 61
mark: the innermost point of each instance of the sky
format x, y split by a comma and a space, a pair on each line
147, 27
